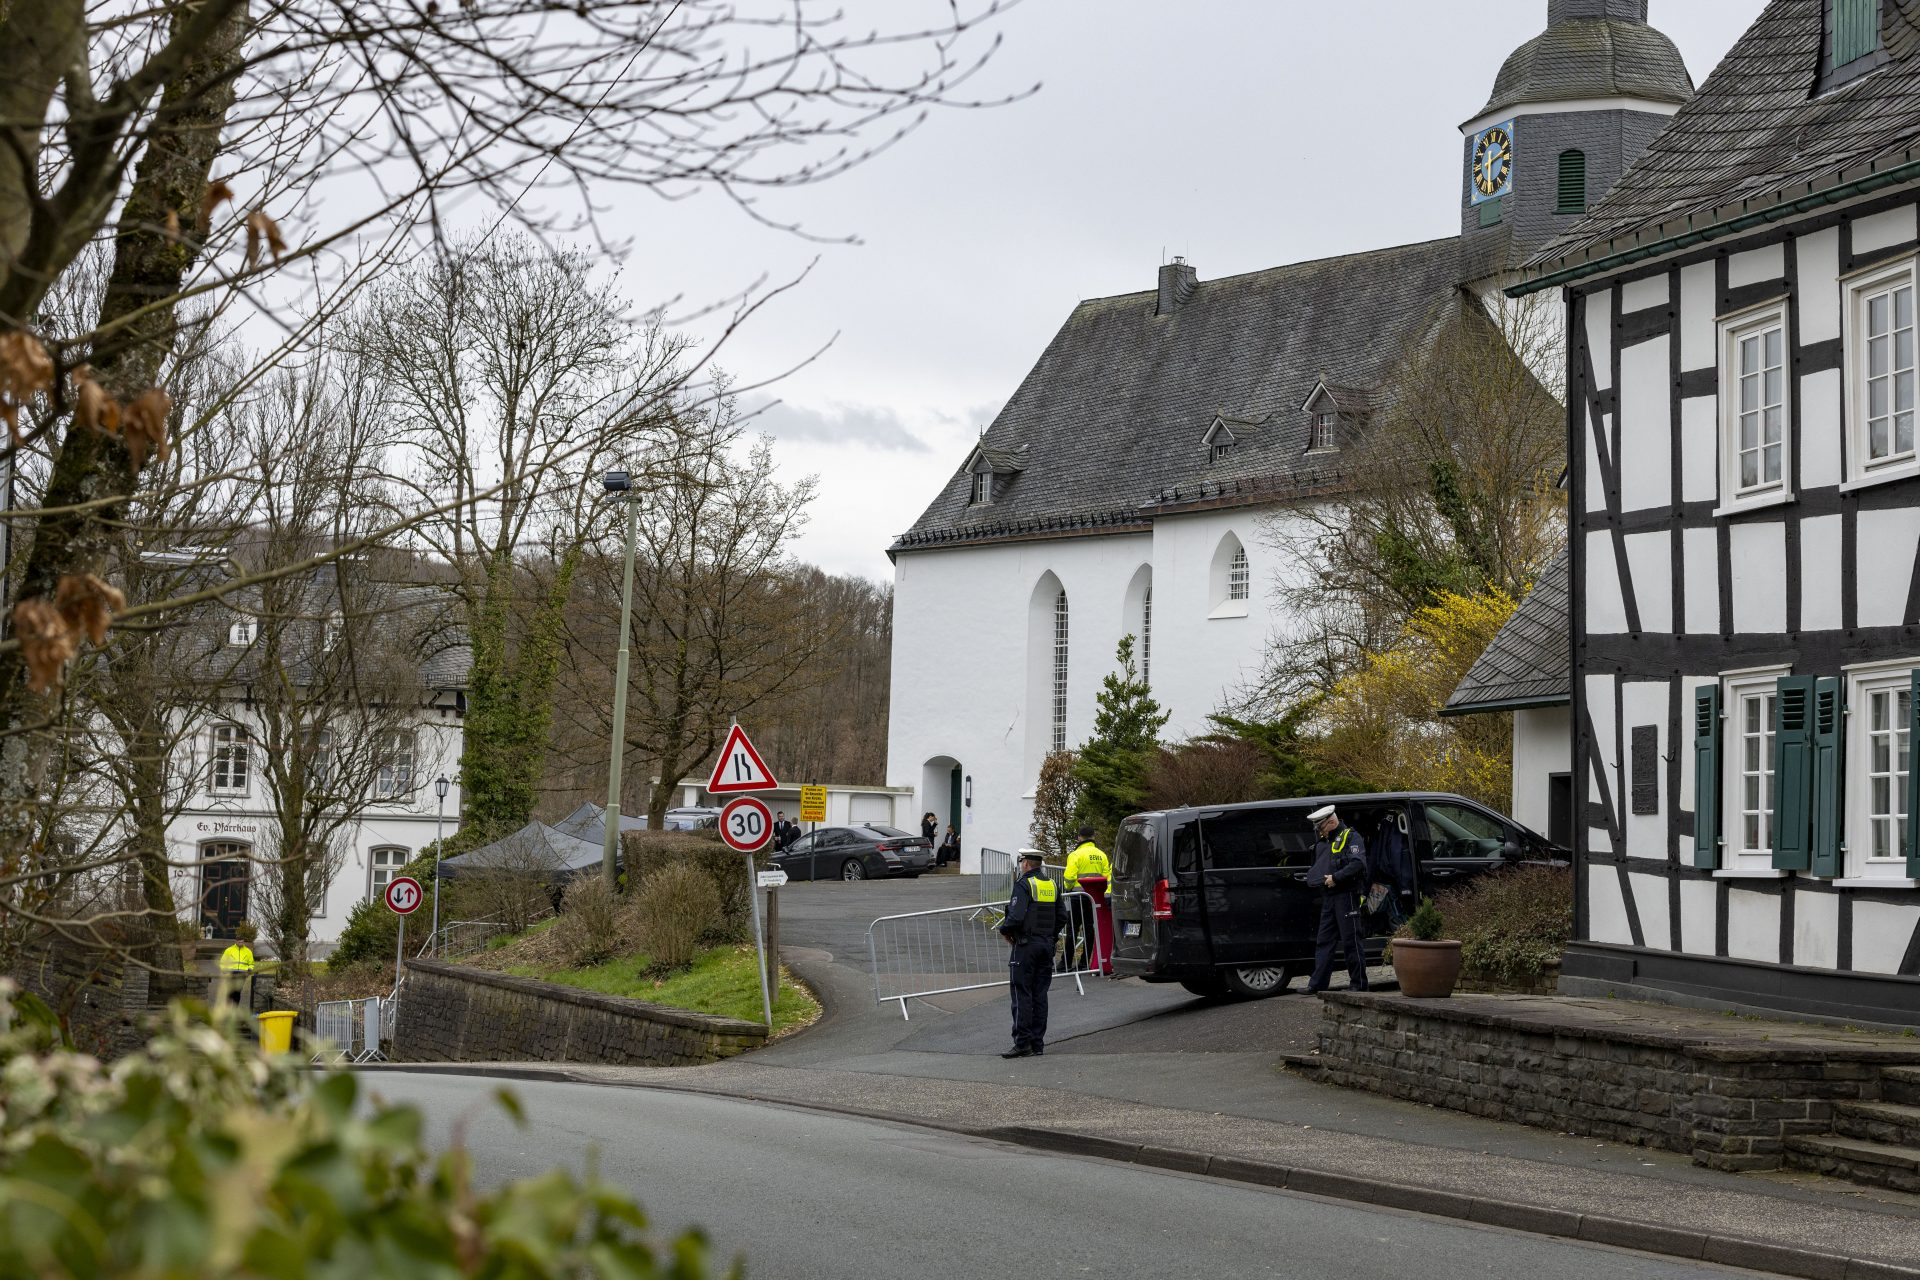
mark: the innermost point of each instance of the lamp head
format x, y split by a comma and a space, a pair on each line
440, 785
617, 481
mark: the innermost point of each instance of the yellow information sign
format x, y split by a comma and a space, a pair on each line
813, 804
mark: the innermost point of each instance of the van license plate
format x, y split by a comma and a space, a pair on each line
1130, 929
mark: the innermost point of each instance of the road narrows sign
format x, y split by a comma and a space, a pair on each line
740, 767
404, 895
745, 824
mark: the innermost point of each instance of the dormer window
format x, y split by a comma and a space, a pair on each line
1222, 447
1323, 430
240, 634
1850, 42
982, 488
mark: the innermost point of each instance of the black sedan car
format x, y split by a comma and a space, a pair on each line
855, 853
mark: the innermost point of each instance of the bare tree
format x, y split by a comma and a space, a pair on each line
1455, 488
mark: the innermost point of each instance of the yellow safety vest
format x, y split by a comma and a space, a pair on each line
1087, 860
237, 958
1042, 889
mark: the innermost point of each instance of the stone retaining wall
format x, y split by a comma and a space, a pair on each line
1729, 1105
451, 1013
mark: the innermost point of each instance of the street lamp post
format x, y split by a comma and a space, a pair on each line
619, 482
439, 819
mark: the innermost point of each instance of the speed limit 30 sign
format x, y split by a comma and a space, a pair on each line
404, 895
745, 824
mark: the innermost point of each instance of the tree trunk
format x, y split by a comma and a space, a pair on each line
91, 467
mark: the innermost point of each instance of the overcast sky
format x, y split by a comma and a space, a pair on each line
1240, 133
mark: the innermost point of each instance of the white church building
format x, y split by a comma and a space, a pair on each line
1127, 486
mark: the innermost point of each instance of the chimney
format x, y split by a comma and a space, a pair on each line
1177, 282
1559, 11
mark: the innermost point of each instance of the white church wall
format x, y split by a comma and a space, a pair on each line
1542, 747
972, 654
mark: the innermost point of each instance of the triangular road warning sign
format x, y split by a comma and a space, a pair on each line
740, 767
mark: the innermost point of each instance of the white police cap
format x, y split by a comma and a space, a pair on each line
1035, 854
1321, 814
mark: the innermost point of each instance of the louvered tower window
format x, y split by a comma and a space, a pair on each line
1856, 29
1060, 672
1573, 182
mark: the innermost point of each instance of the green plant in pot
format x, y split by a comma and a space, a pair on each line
1426, 964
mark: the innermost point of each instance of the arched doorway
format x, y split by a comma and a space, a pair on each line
224, 873
941, 795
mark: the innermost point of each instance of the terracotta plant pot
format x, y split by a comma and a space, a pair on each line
1426, 970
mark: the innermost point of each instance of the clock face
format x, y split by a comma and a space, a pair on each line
1492, 162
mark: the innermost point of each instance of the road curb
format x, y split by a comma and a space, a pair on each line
1589, 1228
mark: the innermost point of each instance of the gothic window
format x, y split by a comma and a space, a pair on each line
1146, 637
1060, 672
1238, 575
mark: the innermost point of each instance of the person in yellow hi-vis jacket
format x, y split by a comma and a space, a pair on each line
236, 967
1088, 871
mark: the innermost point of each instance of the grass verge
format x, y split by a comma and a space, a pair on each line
722, 980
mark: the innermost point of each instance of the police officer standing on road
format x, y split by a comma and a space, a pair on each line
1340, 873
1087, 870
1032, 928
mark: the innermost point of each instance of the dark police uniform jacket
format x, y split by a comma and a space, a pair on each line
1343, 855
1033, 911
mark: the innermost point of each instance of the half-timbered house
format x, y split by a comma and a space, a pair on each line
1744, 516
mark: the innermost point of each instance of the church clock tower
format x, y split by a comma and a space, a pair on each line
1570, 110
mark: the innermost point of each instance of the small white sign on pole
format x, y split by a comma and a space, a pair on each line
772, 879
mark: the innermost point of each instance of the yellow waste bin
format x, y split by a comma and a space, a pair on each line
276, 1031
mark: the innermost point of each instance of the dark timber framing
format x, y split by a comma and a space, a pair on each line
1602, 811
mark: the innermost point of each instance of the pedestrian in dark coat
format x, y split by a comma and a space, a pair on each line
1032, 930
1340, 873
929, 828
949, 848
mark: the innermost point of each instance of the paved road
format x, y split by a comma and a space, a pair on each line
805, 1194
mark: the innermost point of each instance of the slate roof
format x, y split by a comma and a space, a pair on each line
1528, 663
1113, 413
415, 618
1757, 134
1591, 58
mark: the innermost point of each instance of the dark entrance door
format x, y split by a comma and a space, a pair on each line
223, 887
1560, 809
953, 805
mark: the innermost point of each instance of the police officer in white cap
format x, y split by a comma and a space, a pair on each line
1340, 873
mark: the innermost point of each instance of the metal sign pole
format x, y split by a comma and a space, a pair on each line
773, 945
399, 950
759, 939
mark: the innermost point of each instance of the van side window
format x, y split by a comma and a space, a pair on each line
1245, 838
1455, 831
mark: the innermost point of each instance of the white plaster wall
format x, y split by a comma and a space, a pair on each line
1883, 230
1816, 930
1881, 931
1887, 541
1650, 900
1542, 745
1753, 925
1606, 910
963, 686
1698, 912
1646, 426
1754, 266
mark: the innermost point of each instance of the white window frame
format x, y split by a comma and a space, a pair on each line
1735, 690
1146, 636
1733, 329
1858, 867
982, 494
399, 770
379, 873
1323, 439
241, 633
1222, 447
1860, 289
1239, 576
224, 740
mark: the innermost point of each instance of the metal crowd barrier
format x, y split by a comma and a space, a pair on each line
997, 869
355, 1030
931, 953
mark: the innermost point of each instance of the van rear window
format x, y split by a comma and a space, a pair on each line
1133, 853
1244, 838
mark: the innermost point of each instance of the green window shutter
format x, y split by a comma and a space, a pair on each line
1856, 29
1913, 775
1706, 776
1828, 770
1573, 182
1490, 212
1793, 773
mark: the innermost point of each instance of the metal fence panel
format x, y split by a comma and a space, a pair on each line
334, 1028
930, 953
997, 870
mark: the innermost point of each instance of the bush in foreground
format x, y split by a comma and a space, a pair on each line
1512, 924
589, 928
196, 1158
648, 853
673, 909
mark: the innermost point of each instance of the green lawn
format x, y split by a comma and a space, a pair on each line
721, 981
500, 940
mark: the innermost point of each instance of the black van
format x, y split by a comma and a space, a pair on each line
1217, 898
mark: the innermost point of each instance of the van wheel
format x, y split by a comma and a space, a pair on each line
1207, 988
1256, 983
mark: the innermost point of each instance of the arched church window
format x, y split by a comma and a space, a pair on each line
1060, 672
